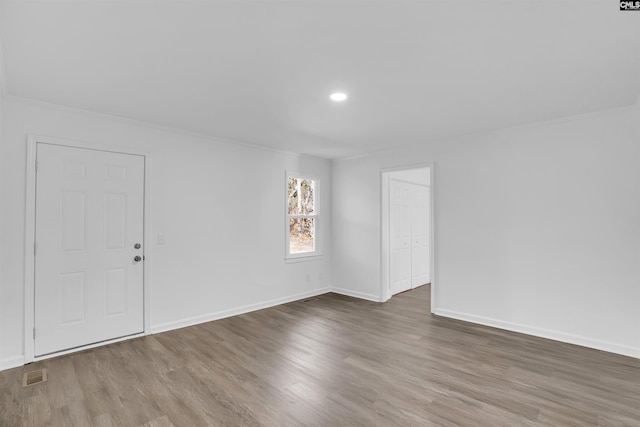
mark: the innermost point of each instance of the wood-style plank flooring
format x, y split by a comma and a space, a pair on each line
330, 361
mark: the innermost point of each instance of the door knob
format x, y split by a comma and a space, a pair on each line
137, 258
137, 246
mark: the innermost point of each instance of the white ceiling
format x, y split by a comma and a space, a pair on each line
261, 71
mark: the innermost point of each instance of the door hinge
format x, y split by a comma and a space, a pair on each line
34, 333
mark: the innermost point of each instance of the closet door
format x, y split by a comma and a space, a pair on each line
400, 230
419, 235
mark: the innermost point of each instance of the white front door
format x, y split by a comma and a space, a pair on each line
89, 231
400, 233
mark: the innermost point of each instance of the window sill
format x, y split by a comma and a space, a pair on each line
303, 258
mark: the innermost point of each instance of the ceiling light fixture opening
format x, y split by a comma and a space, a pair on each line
338, 96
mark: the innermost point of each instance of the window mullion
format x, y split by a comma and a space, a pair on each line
299, 190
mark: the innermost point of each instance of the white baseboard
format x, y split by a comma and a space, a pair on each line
542, 333
11, 362
163, 327
355, 294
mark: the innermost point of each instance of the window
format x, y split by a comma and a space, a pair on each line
302, 216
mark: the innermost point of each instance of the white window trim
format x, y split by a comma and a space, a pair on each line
305, 256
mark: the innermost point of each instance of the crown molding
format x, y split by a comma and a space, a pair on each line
202, 137
567, 119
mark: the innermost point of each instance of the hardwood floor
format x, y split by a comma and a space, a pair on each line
330, 361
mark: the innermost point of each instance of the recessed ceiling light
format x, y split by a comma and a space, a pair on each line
338, 96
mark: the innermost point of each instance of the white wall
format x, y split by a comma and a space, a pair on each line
2, 324
2, 95
220, 206
536, 228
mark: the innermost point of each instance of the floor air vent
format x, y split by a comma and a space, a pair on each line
34, 377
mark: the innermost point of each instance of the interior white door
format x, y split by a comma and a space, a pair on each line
419, 235
400, 233
89, 223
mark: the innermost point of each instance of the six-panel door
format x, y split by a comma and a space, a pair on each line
89, 218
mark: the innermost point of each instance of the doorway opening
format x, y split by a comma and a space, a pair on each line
407, 230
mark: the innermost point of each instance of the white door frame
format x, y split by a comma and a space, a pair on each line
29, 240
385, 255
